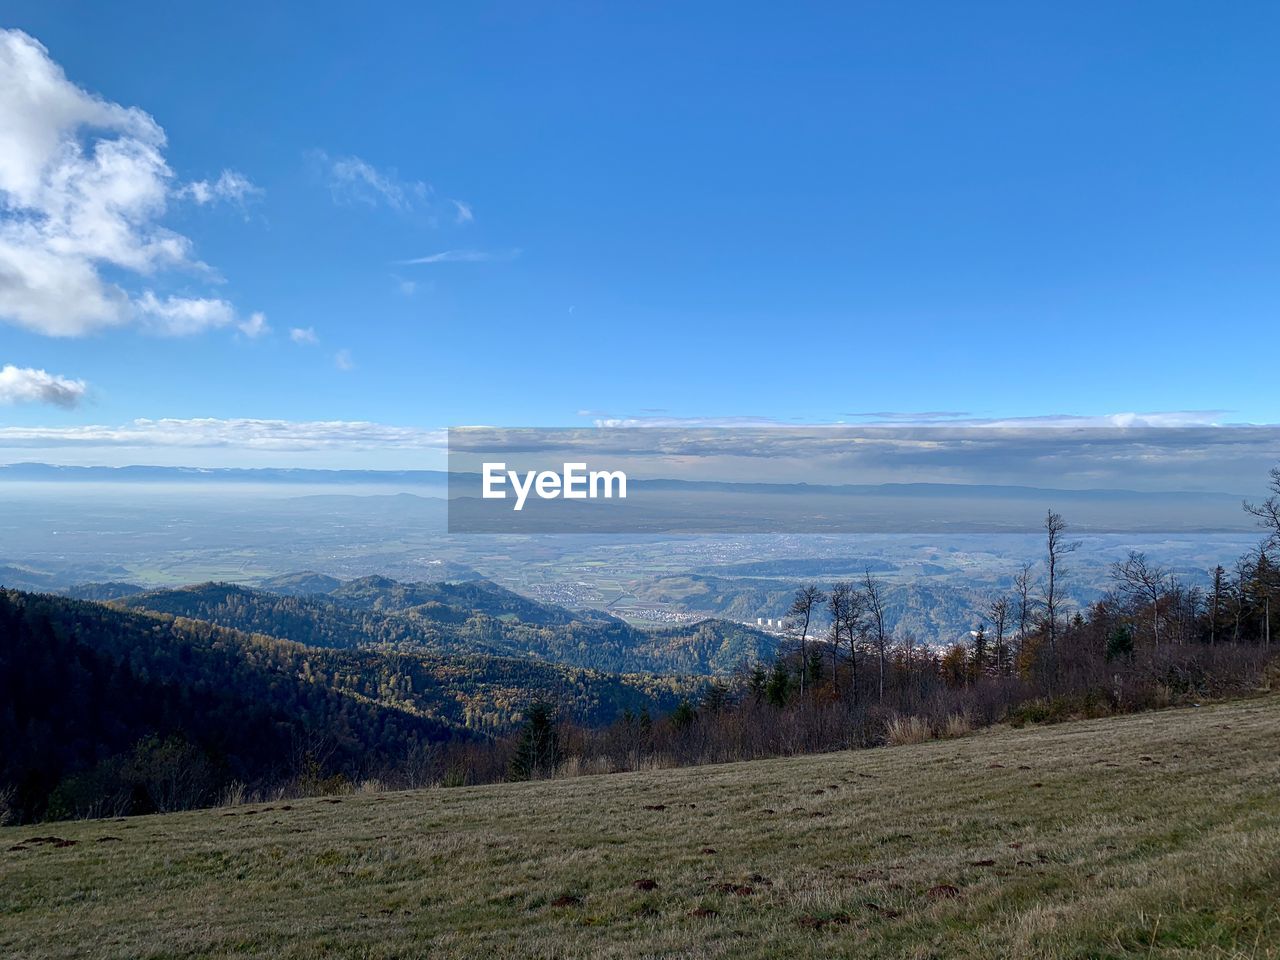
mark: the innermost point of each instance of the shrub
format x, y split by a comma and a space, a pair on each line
313, 782
8, 806
1059, 709
455, 776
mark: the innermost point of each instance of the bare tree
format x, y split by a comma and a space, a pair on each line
1259, 588
1239, 594
838, 610
1268, 511
907, 644
1022, 587
998, 612
873, 592
854, 622
1055, 549
1183, 609
806, 599
1268, 514
1137, 578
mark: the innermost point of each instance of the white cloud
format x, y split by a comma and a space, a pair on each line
342, 360
256, 326
464, 256
187, 316
933, 418
183, 316
408, 287
1158, 418
353, 180
27, 385
462, 212
242, 434
83, 185
231, 186
303, 335
679, 423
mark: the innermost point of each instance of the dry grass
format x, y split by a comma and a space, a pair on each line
957, 725
903, 731
1138, 836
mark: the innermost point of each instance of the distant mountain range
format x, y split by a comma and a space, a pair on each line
32, 471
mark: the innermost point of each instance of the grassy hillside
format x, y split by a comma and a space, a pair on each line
1139, 836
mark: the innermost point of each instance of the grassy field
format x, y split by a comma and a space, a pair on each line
1140, 836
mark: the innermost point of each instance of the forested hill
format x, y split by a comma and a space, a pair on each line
462, 619
92, 698
84, 687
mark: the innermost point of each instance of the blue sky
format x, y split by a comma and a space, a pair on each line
641, 211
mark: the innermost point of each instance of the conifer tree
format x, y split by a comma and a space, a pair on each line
537, 751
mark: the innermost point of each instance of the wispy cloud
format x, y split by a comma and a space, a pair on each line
462, 212
352, 180
28, 385
923, 416
231, 186
660, 421
464, 256
84, 184
304, 335
343, 361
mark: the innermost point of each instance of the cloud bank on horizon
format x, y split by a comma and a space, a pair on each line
1122, 452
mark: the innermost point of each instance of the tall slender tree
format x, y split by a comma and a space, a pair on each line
837, 610
1022, 591
1055, 549
807, 599
873, 591
978, 658
1217, 599
855, 626
1261, 587
998, 612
